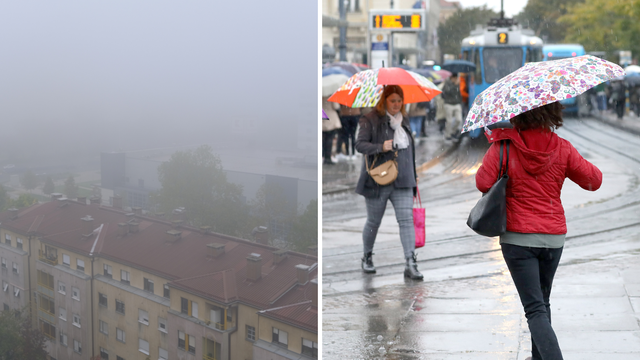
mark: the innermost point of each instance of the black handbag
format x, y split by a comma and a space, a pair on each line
489, 216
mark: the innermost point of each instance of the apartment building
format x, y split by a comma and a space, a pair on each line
123, 286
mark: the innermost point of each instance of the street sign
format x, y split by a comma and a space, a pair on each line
397, 20
379, 50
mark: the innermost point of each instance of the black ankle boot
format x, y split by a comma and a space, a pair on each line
367, 264
411, 270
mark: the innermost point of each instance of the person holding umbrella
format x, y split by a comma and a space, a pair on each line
537, 163
385, 135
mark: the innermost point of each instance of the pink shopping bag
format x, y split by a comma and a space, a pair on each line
418, 222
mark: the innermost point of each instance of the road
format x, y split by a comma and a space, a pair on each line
384, 315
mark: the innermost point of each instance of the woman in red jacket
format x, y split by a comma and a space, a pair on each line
539, 161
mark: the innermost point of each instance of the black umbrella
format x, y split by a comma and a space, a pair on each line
459, 66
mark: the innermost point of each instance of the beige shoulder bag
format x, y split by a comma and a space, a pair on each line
385, 173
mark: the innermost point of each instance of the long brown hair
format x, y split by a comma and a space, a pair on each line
381, 106
547, 117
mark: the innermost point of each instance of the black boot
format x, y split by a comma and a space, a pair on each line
367, 264
411, 270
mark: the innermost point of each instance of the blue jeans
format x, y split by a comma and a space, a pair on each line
416, 124
532, 270
602, 102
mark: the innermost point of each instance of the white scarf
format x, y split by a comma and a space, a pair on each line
400, 138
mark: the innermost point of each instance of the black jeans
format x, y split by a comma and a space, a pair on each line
327, 144
348, 132
532, 270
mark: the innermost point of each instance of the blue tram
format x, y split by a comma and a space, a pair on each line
563, 51
497, 50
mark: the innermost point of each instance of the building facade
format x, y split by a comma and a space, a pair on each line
124, 286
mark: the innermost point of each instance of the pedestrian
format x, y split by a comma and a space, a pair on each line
539, 162
601, 96
634, 99
618, 97
385, 134
417, 114
349, 120
440, 114
329, 129
452, 106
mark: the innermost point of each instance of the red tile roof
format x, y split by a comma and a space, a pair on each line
188, 262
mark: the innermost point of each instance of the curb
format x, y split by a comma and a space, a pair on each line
618, 125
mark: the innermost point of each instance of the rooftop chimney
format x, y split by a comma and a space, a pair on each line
174, 235
205, 229
134, 226
312, 250
55, 196
87, 226
137, 210
303, 273
14, 213
123, 229
94, 200
176, 224
261, 234
117, 201
216, 250
280, 255
254, 267
82, 200
314, 292
63, 201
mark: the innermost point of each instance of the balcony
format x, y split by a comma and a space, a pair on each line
47, 258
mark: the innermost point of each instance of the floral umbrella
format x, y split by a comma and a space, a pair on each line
538, 84
365, 88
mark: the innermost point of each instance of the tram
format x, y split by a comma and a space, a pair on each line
563, 51
497, 50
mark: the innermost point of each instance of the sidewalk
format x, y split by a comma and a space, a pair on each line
344, 175
630, 123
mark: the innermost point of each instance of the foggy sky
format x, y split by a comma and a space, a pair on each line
80, 77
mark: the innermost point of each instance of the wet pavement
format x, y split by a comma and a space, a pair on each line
467, 306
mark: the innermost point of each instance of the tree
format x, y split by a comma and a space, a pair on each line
48, 187
29, 180
18, 338
24, 200
304, 231
70, 188
195, 180
271, 208
4, 199
597, 29
542, 17
459, 25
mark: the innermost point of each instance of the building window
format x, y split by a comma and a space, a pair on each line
120, 336
15, 269
47, 329
143, 317
280, 337
47, 305
211, 349
62, 289
310, 348
63, 313
5, 286
4, 264
188, 307
104, 327
66, 260
108, 271
7, 239
143, 346
79, 264
162, 324
19, 243
251, 333
45, 280
164, 354
77, 347
124, 277
148, 285
186, 342
16, 291
76, 320
120, 306
166, 291
104, 355
102, 300
75, 293
63, 338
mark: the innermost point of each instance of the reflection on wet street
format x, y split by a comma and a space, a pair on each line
467, 306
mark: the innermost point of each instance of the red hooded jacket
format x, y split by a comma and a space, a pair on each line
539, 161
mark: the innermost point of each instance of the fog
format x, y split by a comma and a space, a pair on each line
78, 77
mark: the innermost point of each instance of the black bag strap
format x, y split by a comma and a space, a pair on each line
373, 164
506, 166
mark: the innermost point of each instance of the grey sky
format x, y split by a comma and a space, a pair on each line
108, 75
511, 7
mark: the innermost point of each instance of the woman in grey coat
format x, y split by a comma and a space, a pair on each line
384, 133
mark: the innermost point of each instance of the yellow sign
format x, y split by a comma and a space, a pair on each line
503, 38
397, 21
